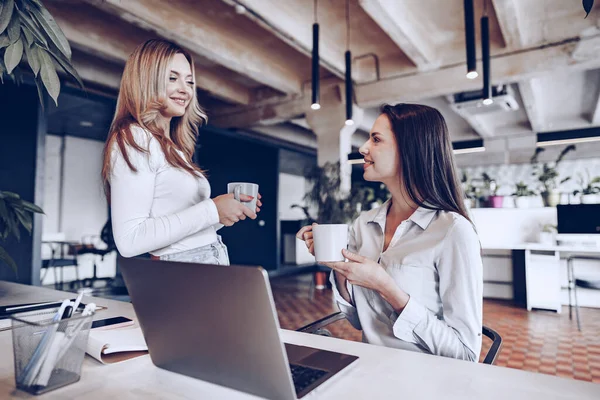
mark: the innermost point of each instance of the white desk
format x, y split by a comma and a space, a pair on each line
380, 373
537, 275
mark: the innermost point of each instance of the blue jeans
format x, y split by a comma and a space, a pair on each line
214, 253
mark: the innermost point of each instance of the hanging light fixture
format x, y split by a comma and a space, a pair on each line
470, 40
485, 53
315, 64
349, 101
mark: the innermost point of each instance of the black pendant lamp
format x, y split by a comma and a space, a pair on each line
315, 64
485, 53
349, 97
470, 40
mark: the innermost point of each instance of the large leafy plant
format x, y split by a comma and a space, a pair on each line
324, 195
588, 185
27, 29
522, 190
547, 173
14, 213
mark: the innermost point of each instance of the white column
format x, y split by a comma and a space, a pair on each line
333, 136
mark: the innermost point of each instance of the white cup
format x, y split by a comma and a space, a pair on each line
250, 189
329, 240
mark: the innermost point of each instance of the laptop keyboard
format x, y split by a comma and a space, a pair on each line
305, 376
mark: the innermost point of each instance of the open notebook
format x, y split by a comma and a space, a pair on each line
115, 345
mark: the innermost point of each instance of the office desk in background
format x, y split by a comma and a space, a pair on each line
380, 373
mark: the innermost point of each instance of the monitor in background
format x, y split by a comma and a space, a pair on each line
578, 218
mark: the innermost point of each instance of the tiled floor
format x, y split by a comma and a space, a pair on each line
538, 341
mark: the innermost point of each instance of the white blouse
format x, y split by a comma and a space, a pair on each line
435, 257
158, 209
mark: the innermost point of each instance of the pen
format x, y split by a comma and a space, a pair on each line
77, 301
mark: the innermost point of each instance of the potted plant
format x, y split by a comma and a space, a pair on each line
14, 213
547, 174
27, 29
590, 189
523, 195
472, 192
491, 188
548, 234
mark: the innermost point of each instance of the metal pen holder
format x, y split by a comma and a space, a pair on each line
48, 354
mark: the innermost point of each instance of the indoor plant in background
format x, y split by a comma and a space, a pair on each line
472, 192
14, 213
590, 188
547, 174
491, 189
523, 195
28, 30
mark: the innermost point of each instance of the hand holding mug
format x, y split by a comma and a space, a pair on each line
306, 234
231, 210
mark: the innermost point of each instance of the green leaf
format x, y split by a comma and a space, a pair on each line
4, 40
33, 58
6, 14
9, 195
27, 21
53, 31
25, 219
7, 259
28, 35
37, 3
49, 76
2, 69
13, 55
39, 85
14, 28
67, 67
31, 207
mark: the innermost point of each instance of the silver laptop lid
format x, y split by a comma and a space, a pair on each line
178, 306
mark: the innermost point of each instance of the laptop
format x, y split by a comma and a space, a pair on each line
219, 324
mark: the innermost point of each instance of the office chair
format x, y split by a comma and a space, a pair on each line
106, 236
318, 328
574, 283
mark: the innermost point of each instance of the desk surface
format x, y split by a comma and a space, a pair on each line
546, 247
379, 373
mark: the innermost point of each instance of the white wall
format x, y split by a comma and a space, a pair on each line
291, 191
51, 205
80, 211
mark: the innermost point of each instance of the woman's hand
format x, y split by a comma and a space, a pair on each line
258, 203
305, 233
369, 274
231, 210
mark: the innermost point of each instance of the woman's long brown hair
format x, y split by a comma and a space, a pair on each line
142, 96
426, 158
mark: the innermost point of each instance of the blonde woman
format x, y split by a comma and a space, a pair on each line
160, 201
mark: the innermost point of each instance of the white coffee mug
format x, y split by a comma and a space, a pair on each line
329, 240
239, 188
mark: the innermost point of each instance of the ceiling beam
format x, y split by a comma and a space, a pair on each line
531, 94
111, 39
282, 20
513, 30
397, 20
199, 31
508, 68
595, 119
480, 127
511, 67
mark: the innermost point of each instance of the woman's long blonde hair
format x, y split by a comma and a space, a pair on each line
142, 96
